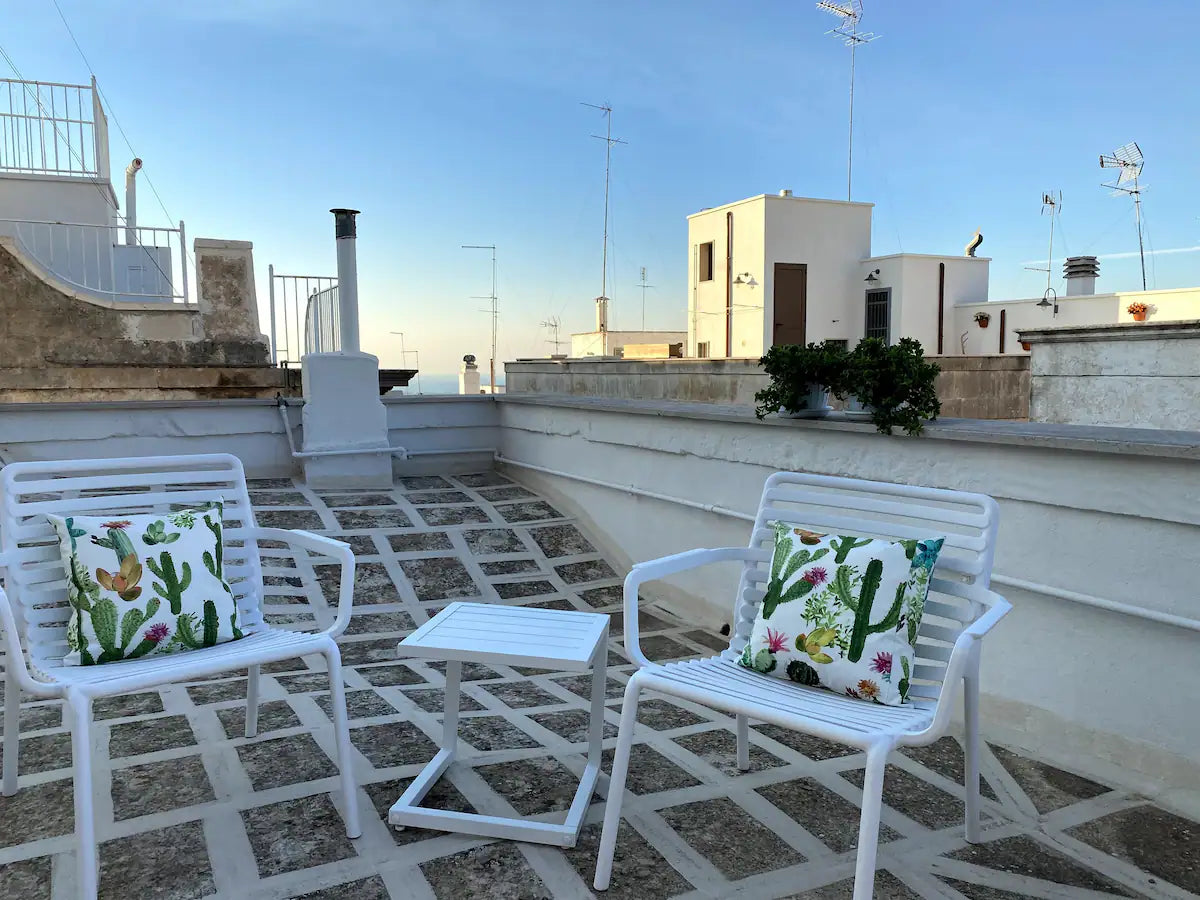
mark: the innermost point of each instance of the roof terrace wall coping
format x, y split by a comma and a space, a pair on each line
1087, 438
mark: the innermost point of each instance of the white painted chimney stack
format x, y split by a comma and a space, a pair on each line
347, 266
602, 314
131, 202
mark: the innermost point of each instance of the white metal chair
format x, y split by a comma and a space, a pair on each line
959, 612
35, 612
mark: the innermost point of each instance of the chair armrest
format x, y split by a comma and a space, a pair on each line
654, 569
316, 543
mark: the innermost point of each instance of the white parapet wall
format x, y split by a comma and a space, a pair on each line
1108, 514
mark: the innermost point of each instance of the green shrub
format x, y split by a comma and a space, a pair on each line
794, 369
895, 383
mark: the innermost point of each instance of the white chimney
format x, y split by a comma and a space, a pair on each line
131, 201
468, 376
602, 314
1081, 272
786, 192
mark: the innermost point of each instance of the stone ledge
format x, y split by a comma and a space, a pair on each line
220, 244
1123, 331
1093, 438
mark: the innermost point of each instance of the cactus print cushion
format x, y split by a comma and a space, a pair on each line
140, 585
842, 612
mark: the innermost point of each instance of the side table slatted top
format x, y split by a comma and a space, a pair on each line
563, 640
509, 635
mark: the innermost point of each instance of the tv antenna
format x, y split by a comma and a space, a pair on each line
1129, 160
642, 284
850, 14
1052, 206
609, 140
494, 311
553, 323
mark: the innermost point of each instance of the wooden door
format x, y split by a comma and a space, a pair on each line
790, 300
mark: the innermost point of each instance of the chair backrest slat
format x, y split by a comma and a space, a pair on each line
891, 511
36, 579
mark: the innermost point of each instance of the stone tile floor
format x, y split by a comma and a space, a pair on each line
189, 808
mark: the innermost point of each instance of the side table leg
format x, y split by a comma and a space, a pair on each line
599, 686
450, 717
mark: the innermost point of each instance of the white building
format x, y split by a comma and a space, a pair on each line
779, 269
57, 199
603, 342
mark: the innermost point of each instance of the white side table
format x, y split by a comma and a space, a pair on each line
561, 640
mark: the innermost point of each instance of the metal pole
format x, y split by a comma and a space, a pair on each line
347, 264
183, 259
493, 373
607, 163
1137, 212
850, 148
271, 294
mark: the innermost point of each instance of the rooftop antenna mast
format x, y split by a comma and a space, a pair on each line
850, 14
553, 323
642, 284
609, 140
1129, 160
1052, 206
494, 310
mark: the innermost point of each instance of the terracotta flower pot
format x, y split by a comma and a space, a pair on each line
1139, 317
983, 323
1025, 346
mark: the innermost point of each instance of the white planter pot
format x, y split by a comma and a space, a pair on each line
856, 410
816, 405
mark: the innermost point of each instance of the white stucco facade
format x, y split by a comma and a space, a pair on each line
831, 240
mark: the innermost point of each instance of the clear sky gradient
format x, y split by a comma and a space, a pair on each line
459, 122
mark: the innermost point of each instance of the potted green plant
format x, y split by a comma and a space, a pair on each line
801, 379
982, 318
893, 385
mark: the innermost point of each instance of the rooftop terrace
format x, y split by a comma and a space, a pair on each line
189, 808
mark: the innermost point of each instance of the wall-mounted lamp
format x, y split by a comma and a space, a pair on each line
1045, 303
745, 278
872, 277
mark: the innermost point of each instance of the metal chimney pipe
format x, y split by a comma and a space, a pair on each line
347, 268
131, 201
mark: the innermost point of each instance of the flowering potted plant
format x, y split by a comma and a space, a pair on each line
982, 318
801, 379
1138, 310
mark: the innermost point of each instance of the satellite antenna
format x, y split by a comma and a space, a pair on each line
553, 323
1129, 160
1052, 206
850, 14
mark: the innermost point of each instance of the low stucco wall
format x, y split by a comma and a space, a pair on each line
1059, 677
976, 387
252, 430
1138, 374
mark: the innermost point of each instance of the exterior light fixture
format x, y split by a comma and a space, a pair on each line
1045, 302
872, 277
745, 278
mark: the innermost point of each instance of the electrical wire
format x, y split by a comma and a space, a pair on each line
116, 121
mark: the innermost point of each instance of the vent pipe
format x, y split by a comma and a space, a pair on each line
1081, 272
602, 314
346, 233
786, 192
131, 202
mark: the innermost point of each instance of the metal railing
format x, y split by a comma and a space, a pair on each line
48, 128
322, 322
98, 259
289, 298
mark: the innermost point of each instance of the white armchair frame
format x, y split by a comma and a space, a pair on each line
34, 611
959, 612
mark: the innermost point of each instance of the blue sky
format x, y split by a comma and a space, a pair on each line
459, 121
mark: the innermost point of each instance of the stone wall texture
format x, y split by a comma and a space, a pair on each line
59, 346
1139, 375
971, 387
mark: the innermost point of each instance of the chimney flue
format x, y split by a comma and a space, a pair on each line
1081, 273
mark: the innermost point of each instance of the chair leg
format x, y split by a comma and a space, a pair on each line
85, 823
12, 733
345, 760
972, 739
868, 824
743, 743
616, 785
252, 701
